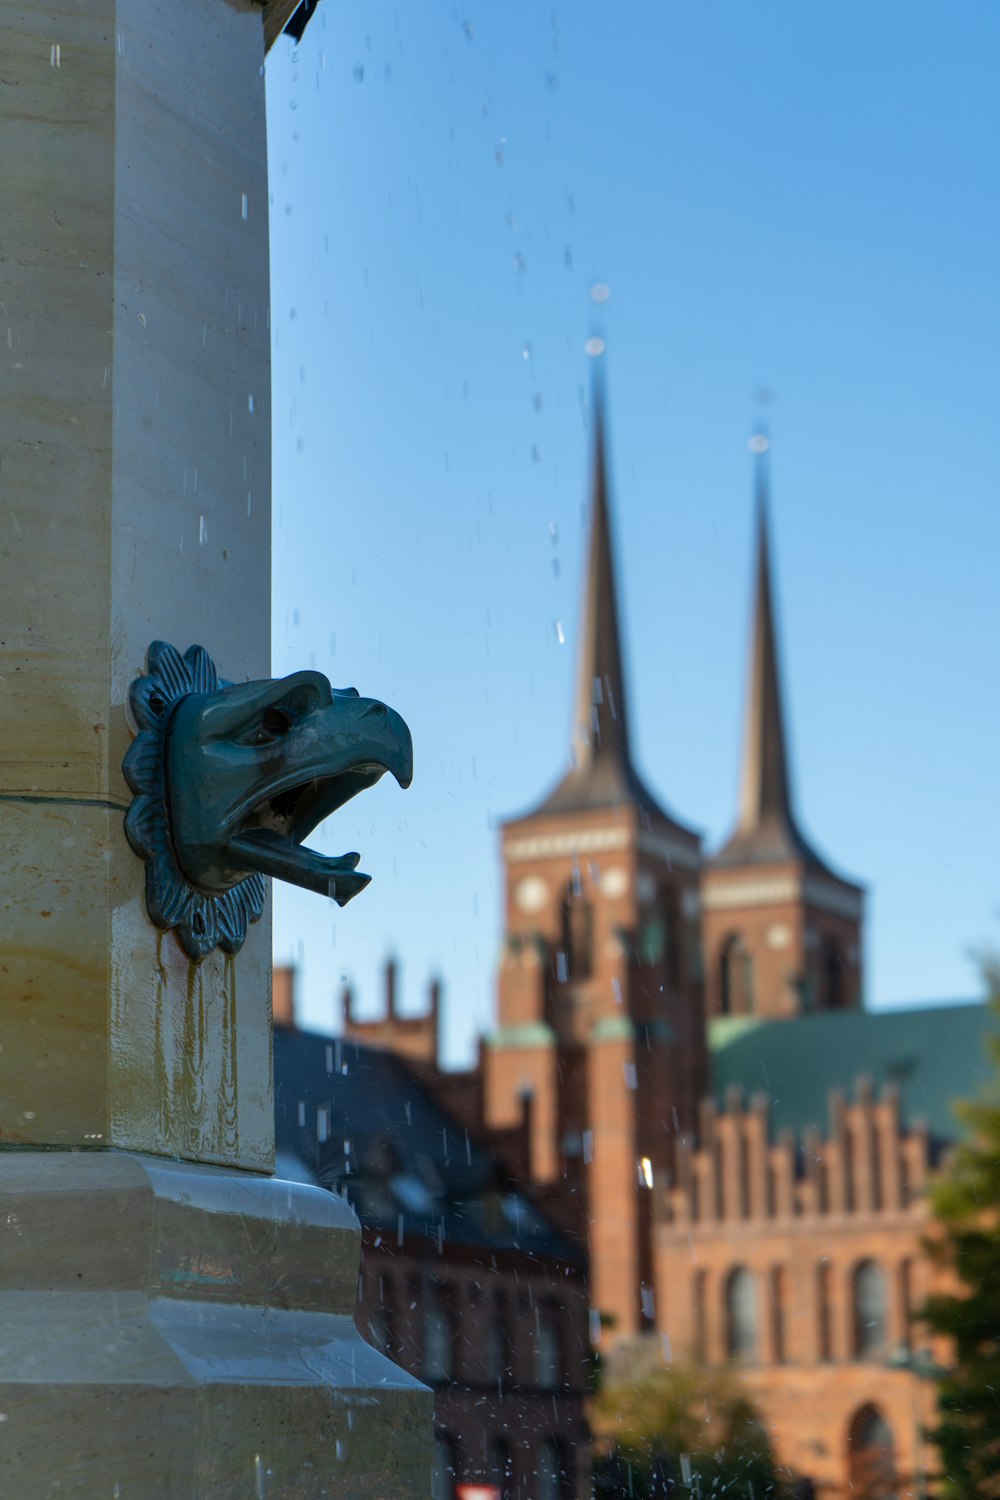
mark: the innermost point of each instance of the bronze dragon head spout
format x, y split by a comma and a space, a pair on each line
231, 778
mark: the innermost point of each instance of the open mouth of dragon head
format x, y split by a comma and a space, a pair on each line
229, 779
252, 769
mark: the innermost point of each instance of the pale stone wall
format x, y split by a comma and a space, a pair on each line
135, 471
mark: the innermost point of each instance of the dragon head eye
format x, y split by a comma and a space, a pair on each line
276, 722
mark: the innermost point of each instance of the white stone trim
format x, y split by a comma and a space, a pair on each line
779, 889
759, 892
574, 841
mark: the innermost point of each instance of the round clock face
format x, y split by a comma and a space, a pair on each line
614, 882
531, 894
778, 936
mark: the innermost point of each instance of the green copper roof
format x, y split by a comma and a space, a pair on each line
531, 1034
934, 1054
612, 1029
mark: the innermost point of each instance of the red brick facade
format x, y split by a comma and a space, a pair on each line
799, 1258
802, 1262
600, 1025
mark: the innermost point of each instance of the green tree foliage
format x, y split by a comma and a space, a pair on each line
966, 1206
682, 1431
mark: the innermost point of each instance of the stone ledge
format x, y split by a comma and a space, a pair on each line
187, 1332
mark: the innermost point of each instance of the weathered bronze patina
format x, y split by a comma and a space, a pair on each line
230, 778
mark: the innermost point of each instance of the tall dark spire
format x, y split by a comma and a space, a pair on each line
765, 794
767, 829
602, 773
600, 724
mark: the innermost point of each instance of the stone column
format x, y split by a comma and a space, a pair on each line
199, 1306
135, 453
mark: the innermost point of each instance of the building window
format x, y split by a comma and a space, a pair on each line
871, 1463
577, 933
824, 1326
445, 1468
378, 1330
379, 1322
698, 1305
548, 1372
502, 1468
672, 957
497, 1354
905, 1274
776, 1285
833, 975
869, 1311
741, 1315
552, 1473
735, 978
439, 1341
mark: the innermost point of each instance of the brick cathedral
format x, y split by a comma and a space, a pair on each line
684, 1072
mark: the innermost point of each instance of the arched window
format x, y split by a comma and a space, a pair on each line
439, 1341
906, 1304
869, 1311
776, 1286
698, 1301
445, 1468
812, 986
379, 1328
824, 1325
741, 1315
548, 1371
833, 975
577, 932
735, 978
672, 947
870, 1460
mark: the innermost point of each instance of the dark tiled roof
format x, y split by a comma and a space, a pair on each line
934, 1054
359, 1122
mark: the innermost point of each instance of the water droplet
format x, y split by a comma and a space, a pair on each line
245, 208
560, 633
55, 56
759, 443
594, 347
600, 292
202, 530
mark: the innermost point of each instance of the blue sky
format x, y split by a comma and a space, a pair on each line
786, 195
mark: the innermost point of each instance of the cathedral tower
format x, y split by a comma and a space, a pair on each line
781, 931
600, 997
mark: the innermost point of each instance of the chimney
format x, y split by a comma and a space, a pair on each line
283, 996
